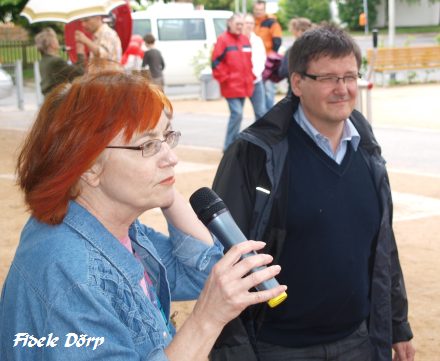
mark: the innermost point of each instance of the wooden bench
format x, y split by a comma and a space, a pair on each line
391, 60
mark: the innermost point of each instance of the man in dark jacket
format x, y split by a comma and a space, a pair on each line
309, 179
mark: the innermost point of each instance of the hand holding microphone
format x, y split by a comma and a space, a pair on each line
214, 214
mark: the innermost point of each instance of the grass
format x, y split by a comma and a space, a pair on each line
418, 29
28, 74
404, 30
399, 30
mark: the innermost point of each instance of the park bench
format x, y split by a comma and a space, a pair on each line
392, 60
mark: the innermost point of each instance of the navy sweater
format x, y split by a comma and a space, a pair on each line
333, 219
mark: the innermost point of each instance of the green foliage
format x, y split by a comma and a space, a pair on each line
411, 76
349, 11
417, 29
418, 1
202, 61
437, 38
316, 10
10, 9
218, 4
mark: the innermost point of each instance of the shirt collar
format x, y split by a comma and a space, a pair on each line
349, 133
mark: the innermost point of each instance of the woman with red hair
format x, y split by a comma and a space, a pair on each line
89, 281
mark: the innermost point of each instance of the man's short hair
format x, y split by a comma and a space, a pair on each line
325, 40
44, 40
149, 39
300, 24
259, 2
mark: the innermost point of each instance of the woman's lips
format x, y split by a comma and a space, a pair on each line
168, 181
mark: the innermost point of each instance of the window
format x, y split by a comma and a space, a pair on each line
141, 27
181, 29
220, 26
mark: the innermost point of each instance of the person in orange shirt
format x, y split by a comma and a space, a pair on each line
268, 28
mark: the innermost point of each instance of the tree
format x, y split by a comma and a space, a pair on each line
349, 11
316, 10
418, 1
217, 4
10, 9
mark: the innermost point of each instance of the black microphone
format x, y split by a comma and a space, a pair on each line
214, 214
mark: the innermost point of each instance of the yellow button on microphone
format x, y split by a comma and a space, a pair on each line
274, 302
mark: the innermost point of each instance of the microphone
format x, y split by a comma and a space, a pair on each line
214, 214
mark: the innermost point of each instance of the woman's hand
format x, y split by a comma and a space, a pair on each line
225, 295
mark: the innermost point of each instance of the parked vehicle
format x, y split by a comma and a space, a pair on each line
182, 34
6, 84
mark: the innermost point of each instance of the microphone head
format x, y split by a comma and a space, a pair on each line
206, 204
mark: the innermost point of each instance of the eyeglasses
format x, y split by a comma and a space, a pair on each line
350, 79
153, 146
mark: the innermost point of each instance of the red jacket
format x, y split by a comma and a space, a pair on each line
232, 65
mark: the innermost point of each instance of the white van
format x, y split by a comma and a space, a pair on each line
182, 34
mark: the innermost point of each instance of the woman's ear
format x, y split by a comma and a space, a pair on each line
92, 175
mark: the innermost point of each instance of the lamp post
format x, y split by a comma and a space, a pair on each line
366, 15
391, 22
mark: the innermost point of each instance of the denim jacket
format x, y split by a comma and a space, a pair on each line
76, 282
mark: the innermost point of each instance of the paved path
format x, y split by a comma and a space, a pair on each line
406, 123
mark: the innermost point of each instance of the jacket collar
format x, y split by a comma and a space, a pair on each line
273, 126
94, 232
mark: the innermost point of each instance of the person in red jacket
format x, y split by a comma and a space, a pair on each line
232, 67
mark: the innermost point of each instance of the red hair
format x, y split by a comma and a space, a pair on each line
74, 125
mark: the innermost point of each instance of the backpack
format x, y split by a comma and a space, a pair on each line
273, 63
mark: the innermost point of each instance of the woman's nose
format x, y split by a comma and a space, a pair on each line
169, 158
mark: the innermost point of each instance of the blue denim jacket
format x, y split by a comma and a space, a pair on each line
77, 279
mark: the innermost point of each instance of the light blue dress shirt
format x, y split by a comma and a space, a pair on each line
349, 134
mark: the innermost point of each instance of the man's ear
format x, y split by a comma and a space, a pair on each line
92, 175
295, 84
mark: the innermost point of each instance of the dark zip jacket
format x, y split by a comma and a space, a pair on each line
258, 159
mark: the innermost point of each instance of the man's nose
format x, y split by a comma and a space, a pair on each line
341, 84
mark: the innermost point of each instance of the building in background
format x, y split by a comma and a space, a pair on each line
421, 13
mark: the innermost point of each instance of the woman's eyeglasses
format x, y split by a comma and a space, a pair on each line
152, 147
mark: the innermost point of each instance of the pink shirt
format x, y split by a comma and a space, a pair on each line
145, 282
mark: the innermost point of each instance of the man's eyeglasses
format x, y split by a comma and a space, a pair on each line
152, 147
350, 79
